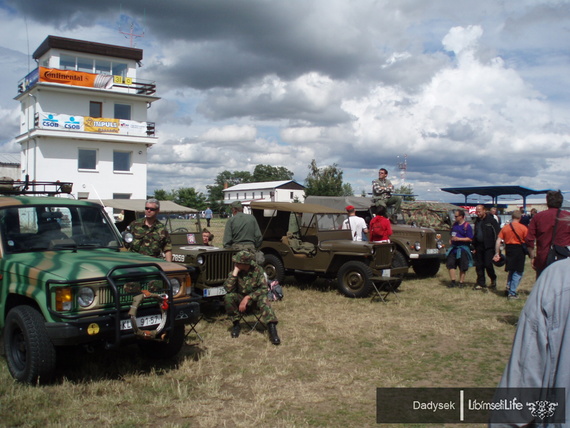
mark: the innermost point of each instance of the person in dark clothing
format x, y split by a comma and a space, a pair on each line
484, 239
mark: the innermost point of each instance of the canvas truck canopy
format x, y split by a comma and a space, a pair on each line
137, 205
296, 207
435, 215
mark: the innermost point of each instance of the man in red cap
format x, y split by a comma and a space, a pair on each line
356, 224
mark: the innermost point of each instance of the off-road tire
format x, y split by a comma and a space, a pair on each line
158, 350
30, 354
354, 279
426, 268
274, 269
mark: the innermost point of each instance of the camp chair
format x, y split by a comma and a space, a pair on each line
383, 290
251, 318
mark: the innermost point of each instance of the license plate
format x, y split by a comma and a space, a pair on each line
147, 321
432, 251
386, 272
215, 291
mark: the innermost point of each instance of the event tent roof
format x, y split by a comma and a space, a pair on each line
495, 191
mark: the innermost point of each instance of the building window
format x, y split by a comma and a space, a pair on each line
252, 195
244, 195
67, 62
87, 159
95, 109
121, 196
85, 64
291, 195
123, 111
121, 161
102, 67
120, 69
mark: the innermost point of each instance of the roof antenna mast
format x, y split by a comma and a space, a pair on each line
131, 33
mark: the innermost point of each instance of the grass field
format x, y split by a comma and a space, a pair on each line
335, 352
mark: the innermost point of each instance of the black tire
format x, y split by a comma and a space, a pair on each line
30, 354
354, 279
426, 268
274, 269
158, 350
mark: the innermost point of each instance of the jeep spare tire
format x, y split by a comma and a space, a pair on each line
354, 279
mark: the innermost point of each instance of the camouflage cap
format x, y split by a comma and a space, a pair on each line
243, 257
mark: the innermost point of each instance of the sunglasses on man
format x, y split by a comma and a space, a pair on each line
150, 209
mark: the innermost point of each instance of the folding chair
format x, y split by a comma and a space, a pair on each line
252, 312
193, 329
384, 290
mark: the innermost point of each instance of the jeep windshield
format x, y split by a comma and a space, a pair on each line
51, 227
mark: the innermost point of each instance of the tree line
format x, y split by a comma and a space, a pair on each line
323, 181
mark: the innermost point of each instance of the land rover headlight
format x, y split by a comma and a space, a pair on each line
417, 246
128, 237
175, 283
85, 297
200, 260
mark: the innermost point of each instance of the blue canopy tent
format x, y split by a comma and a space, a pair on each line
495, 192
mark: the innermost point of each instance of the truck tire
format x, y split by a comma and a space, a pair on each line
354, 279
158, 350
30, 354
426, 268
274, 269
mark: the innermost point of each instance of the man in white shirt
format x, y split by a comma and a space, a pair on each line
357, 224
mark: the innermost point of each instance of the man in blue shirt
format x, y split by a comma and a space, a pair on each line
459, 253
208, 214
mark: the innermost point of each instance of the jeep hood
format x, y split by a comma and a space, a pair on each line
68, 265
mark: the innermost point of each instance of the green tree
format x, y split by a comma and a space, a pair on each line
163, 195
406, 189
223, 179
326, 181
271, 173
188, 197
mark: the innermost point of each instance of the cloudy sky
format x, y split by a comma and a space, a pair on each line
473, 92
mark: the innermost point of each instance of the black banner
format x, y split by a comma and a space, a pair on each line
470, 405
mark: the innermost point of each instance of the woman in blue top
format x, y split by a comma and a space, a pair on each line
459, 253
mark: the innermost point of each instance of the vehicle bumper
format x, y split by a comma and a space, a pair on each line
103, 328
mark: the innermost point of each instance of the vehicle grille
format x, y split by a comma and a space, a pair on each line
217, 266
126, 297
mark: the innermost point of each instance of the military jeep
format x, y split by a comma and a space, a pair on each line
306, 240
421, 247
210, 265
67, 280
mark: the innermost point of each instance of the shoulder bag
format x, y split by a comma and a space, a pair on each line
523, 244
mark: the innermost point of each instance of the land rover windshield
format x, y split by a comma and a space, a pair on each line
55, 227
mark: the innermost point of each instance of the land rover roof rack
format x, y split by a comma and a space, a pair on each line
9, 186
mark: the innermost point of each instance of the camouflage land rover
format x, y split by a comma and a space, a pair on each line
306, 240
421, 247
66, 280
209, 264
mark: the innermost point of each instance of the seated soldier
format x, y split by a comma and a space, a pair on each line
245, 286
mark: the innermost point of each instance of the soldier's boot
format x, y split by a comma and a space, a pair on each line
273, 338
236, 329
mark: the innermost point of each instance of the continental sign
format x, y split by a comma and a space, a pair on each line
76, 78
65, 122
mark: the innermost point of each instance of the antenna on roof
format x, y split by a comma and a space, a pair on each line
123, 19
403, 166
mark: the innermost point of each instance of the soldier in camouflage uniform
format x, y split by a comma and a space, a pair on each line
150, 236
246, 284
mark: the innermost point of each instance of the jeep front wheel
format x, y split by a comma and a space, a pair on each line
426, 268
354, 279
30, 354
274, 269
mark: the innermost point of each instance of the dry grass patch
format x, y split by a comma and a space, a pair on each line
335, 352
